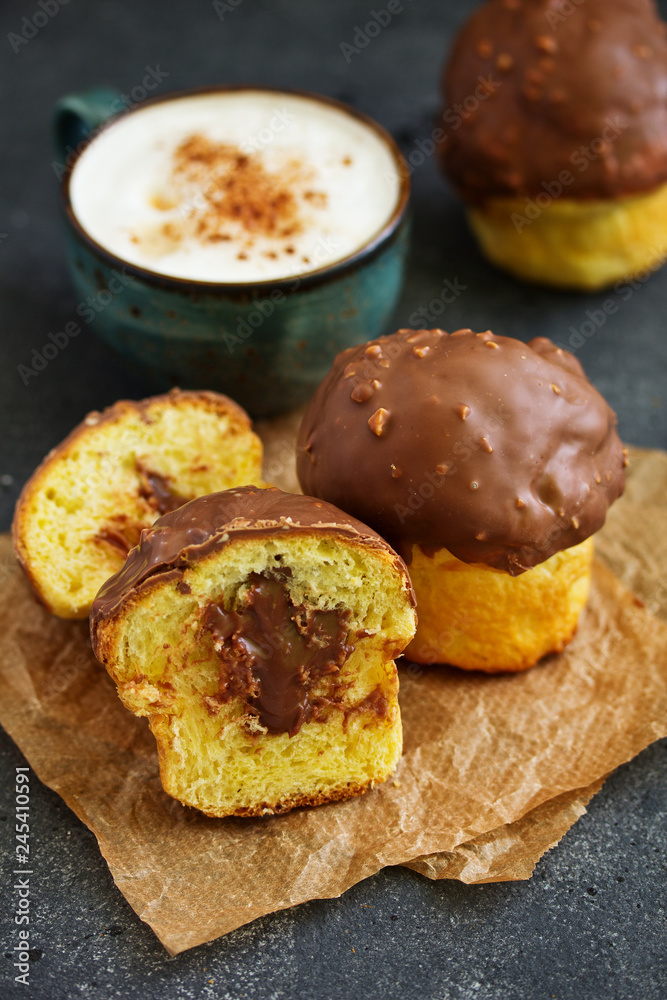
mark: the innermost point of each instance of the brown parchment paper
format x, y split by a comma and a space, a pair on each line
495, 768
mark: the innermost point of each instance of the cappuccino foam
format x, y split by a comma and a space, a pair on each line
236, 186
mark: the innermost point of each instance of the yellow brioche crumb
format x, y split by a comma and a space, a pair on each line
480, 618
574, 243
216, 756
88, 501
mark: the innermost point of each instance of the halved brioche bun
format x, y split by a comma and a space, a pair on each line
86, 504
245, 722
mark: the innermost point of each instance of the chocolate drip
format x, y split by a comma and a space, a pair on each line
273, 653
540, 100
501, 452
154, 488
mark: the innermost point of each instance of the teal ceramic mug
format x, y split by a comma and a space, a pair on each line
266, 343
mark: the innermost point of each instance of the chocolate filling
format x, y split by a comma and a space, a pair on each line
273, 653
114, 538
156, 489
120, 532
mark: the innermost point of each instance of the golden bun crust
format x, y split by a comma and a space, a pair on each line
218, 753
570, 243
479, 618
86, 504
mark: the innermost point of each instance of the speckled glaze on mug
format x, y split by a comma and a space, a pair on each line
267, 344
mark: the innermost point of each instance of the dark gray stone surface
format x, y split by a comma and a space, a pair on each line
590, 923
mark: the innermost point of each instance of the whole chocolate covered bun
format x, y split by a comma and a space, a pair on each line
502, 452
498, 453
555, 115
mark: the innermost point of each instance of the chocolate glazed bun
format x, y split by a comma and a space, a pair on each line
501, 452
555, 134
555, 82
257, 631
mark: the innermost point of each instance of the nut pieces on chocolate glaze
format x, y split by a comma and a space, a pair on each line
499, 451
581, 95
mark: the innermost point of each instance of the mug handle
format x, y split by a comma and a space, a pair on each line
79, 114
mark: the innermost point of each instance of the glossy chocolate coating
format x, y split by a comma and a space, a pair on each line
501, 452
210, 522
531, 90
